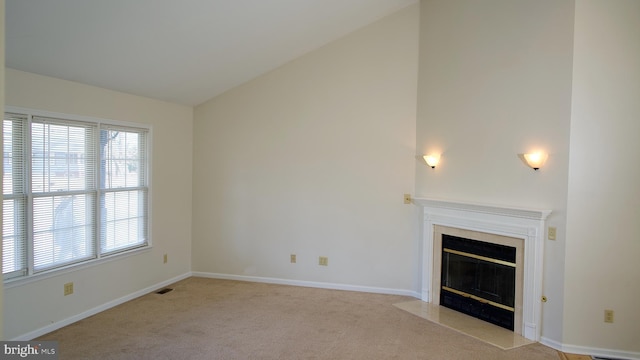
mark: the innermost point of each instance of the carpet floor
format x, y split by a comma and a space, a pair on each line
222, 319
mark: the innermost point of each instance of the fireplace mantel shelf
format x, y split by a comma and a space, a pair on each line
532, 214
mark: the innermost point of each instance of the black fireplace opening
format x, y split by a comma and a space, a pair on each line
479, 279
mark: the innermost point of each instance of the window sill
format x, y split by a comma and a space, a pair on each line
24, 280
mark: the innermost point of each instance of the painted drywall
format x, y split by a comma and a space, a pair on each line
603, 231
313, 159
1, 143
34, 305
495, 82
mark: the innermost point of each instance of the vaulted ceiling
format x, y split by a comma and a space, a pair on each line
185, 51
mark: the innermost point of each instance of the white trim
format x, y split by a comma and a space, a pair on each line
313, 284
108, 305
584, 350
83, 118
485, 209
526, 224
617, 354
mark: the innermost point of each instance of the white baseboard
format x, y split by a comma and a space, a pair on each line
313, 284
606, 353
70, 320
583, 350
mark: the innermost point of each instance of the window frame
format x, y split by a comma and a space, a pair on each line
101, 256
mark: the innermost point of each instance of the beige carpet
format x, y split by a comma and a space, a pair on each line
221, 319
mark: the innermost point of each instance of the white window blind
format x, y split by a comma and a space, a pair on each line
63, 165
74, 191
14, 230
123, 188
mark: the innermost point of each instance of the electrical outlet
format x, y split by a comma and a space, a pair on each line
551, 234
293, 258
608, 316
165, 259
68, 289
323, 261
407, 198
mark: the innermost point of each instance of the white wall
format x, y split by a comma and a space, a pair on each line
603, 231
313, 159
495, 81
1, 139
38, 304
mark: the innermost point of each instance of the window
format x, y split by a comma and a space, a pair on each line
74, 191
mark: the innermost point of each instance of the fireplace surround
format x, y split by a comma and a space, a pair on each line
525, 226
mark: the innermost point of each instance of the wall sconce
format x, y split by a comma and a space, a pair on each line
535, 160
432, 160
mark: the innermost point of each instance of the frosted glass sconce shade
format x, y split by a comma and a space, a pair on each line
535, 160
432, 160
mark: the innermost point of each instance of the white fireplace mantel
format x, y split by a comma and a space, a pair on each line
526, 224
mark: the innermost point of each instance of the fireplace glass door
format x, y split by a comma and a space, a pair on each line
478, 279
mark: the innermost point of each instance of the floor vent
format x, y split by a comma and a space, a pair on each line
164, 291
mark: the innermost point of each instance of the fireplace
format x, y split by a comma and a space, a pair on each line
515, 234
479, 279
